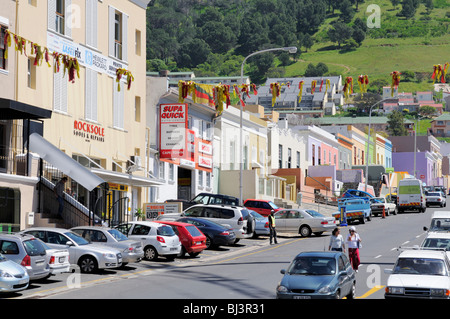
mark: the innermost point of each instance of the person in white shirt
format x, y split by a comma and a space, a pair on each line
353, 244
336, 241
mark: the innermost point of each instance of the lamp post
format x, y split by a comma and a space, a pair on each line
241, 166
368, 143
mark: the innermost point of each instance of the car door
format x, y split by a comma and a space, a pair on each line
293, 220
59, 241
280, 220
346, 279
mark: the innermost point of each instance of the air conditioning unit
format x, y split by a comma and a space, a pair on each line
136, 160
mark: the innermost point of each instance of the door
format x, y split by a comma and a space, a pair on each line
280, 220
293, 221
59, 241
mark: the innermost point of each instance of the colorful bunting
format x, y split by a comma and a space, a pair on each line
395, 81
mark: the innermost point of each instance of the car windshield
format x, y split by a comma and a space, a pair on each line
437, 243
434, 194
117, 235
420, 266
316, 266
165, 231
34, 247
376, 200
313, 213
273, 205
440, 224
76, 238
193, 231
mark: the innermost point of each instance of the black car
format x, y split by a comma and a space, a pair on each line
208, 199
216, 234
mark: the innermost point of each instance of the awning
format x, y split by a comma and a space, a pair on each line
63, 162
14, 110
126, 179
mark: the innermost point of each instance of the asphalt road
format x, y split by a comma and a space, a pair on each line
249, 270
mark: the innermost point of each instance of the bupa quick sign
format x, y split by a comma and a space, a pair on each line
173, 124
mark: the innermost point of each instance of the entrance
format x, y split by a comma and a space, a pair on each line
184, 183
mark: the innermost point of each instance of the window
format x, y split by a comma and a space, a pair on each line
31, 74
60, 17
161, 170
91, 23
208, 179
289, 158
118, 23
140, 230
171, 172
2, 47
137, 108
60, 92
138, 42
280, 156
118, 107
298, 159
9, 248
200, 178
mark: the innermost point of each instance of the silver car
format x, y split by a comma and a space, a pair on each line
131, 249
26, 251
262, 224
303, 221
89, 257
13, 277
435, 198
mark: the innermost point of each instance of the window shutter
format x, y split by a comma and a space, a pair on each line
64, 82
91, 22
111, 30
57, 91
68, 18
88, 95
124, 37
51, 14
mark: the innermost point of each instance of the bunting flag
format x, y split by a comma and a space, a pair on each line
348, 87
321, 84
395, 81
221, 95
440, 72
275, 88
313, 86
363, 81
71, 64
203, 93
300, 88
328, 85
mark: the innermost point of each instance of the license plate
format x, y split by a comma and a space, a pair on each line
302, 297
173, 249
198, 243
119, 260
62, 259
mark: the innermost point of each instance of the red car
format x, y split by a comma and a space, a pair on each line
261, 206
193, 241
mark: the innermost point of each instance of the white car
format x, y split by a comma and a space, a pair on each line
440, 221
435, 198
437, 241
57, 259
423, 274
157, 239
303, 221
378, 203
89, 257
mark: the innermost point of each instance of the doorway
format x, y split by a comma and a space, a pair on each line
184, 183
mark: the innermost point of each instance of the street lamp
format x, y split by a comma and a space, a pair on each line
368, 142
241, 166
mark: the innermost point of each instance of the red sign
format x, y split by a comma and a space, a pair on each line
173, 123
422, 176
89, 131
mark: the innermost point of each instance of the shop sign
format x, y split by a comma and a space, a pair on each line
88, 131
173, 125
153, 210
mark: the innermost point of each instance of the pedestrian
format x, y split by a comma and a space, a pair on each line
59, 193
353, 244
272, 229
336, 241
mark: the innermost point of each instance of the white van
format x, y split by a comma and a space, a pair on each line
410, 195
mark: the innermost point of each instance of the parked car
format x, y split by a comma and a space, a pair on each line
157, 239
356, 209
27, 251
303, 221
411, 195
216, 234
351, 193
423, 274
435, 198
193, 241
208, 199
232, 216
261, 224
378, 203
262, 207
13, 277
57, 259
89, 257
314, 275
437, 241
440, 221
131, 250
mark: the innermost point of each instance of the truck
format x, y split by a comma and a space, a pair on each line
356, 209
378, 203
410, 195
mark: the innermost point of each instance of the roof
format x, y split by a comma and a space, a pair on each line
441, 234
441, 214
417, 253
443, 117
12, 110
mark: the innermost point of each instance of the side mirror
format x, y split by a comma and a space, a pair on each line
283, 271
69, 243
425, 228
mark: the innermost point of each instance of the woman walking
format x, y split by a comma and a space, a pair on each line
353, 244
336, 241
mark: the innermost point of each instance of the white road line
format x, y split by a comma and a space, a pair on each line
377, 256
406, 242
395, 248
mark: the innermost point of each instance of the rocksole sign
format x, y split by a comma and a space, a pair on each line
89, 131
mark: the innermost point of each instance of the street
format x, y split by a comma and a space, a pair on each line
247, 270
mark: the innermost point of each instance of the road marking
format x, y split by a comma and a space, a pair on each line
371, 291
395, 248
377, 256
406, 242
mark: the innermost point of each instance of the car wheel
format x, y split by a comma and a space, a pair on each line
194, 254
352, 293
150, 253
395, 211
305, 231
208, 242
88, 264
182, 252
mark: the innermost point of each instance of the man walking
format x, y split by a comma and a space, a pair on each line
273, 232
59, 193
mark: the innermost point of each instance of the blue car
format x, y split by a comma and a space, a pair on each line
318, 275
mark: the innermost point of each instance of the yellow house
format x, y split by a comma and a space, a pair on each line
94, 122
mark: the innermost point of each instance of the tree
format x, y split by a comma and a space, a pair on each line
396, 124
395, 3
339, 33
408, 9
427, 111
347, 11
